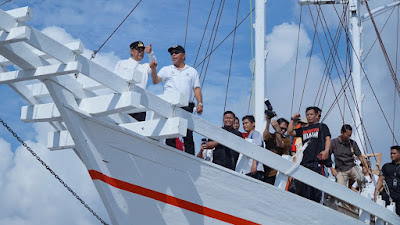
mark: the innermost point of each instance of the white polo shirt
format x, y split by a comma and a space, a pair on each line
183, 81
245, 163
128, 67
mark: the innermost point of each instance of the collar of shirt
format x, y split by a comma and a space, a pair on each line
134, 61
176, 68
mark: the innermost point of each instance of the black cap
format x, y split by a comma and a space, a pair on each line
137, 44
176, 48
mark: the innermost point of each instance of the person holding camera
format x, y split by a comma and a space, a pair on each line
276, 142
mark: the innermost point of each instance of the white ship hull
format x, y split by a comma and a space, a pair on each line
140, 179
144, 182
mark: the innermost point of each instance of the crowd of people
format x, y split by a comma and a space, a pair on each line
307, 140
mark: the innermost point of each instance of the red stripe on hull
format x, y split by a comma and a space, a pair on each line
168, 199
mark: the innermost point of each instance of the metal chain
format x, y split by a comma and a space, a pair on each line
53, 173
4, 2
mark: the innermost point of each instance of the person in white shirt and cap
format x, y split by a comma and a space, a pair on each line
128, 68
184, 79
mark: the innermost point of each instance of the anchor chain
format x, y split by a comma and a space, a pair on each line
53, 173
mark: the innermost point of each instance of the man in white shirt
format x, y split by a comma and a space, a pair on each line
245, 164
128, 68
368, 186
184, 79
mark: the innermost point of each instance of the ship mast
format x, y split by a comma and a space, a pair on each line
260, 59
356, 34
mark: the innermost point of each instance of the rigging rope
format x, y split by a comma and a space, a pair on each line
213, 42
209, 41
397, 52
297, 56
187, 24
376, 39
213, 50
329, 65
331, 48
204, 32
362, 124
230, 64
308, 70
4, 2
53, 173
95, 52
392, 72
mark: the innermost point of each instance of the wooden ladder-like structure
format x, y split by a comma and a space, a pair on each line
62, 87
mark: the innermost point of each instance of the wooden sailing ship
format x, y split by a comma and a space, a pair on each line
139, 178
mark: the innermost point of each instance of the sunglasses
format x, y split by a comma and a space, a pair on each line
175, 52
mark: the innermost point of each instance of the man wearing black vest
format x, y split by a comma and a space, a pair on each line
222, 155
390, 174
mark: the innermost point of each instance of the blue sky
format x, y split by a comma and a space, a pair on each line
162, 23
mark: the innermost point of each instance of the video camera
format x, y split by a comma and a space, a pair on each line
269, 111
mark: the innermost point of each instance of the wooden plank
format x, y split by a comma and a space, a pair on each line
7, 22
110, 104
77, 47
60, 140
168, 171
22, 56
65, 55
276, 162
21, 14
160, 128
16, 34
39, 73
175, 98
40, 113
154, 102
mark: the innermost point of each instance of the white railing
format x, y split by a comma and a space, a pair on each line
19, 45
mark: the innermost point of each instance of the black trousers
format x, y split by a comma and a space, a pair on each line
307, 191
188, 140
139, 116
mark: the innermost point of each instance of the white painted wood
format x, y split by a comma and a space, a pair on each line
24, 92
364, 215
16, 34
72, 85
281, 178
60, 140
43, 72
274, 161
77, 47
154, 102
169, 171
175, 98
22, 56
21, 14
65, 55
260, 64
159, 128
40, 113
7, 22
110, 104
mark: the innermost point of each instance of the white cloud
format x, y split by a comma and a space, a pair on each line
31, 195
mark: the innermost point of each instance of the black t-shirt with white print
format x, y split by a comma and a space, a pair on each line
315, 136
